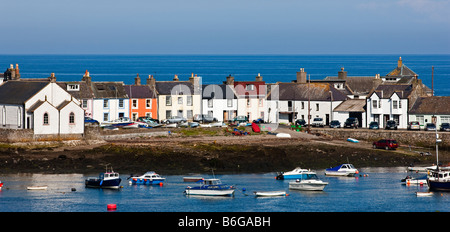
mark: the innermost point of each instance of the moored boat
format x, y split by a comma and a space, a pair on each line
310, 183
270, 193
210, 187
297, 173
342, 170
424, 194
104, 180
37, 188
150, 178
409, 180
439, 179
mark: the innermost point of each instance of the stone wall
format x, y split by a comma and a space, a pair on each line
27, 135
404, 137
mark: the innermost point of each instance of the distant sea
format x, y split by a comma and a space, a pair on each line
214, 68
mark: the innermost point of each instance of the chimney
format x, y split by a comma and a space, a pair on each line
86, 78
301, 76
52, 78
230, 80
342, 75
137, 80
175, 78
259, 77
17, 72
151, 82
399, 62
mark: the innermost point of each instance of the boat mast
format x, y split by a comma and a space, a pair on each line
437, 154
309, 102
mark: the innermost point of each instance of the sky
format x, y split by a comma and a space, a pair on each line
225, 27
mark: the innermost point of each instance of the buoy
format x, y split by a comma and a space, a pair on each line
74, 189
421, 183
161, 184
111, 207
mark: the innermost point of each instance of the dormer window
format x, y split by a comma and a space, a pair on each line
250, 87
73, 87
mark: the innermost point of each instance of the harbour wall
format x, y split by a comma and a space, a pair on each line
403, 137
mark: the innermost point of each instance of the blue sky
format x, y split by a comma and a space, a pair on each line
225, 27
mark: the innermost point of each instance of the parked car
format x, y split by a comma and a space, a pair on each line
414, 125
445, 126
430, 127
391, 125
89, 120
240, 119
374, 126
335, 124
300, 122
259, 120
386, 144
201, 118
175, 119
351, 122
318, 122
147, 119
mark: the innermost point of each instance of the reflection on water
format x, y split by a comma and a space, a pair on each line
379, 191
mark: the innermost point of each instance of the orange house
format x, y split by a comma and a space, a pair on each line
143, 101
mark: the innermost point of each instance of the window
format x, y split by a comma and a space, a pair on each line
248, 101
420, 119
180, 100
210, 103
105, 103
400, 104
45, 118
73, 87
148, 103
71, 118
189, 100
229, 102
120, 103
189, 114
317, 106
394, 104
168, 100
210, 113
134, 103
4, 116
374, 104
250, 87
84, 103
168, 113
148, 115
303, 105
105, 117
134, 116
19, 118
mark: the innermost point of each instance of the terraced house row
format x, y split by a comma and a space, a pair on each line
49, 106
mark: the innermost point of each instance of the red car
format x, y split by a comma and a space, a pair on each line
386, 144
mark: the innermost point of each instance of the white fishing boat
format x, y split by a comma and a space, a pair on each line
37, 188
439, 179
270, 193
342, 170
149, 178
409, 180
310, 183
210, 187
297, 173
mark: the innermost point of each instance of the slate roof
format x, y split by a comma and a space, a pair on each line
357, 85
108, 90
385, 91
18, 92
401, 71
221, 91
139, 91
351, 105
85, 92
300, 92
174, 87
436, 105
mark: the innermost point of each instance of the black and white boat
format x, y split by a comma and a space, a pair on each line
108, 179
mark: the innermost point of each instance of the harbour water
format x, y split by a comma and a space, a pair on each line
373, 190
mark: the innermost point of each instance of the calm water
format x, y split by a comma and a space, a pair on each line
380, 191
214, 69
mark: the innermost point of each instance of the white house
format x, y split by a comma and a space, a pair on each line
178, 98
110, 101
219, 101
294, 98
389, 102
42, 106
431, 110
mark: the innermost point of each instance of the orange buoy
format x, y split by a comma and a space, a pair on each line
111, 207
160, 183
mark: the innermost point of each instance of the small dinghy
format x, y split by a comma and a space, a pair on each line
270, 193
283, 135
424, 194
352, 140
37, 188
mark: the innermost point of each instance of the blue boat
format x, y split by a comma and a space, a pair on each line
297, 173
342, 170
149, 178
104, 180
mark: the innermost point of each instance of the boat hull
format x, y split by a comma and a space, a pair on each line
147, 181
308, 185
291, 176
338, 173
437, 185
98, 183
209, 192
270, 194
